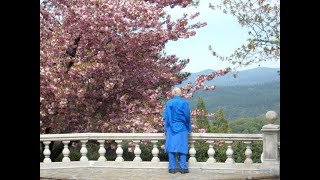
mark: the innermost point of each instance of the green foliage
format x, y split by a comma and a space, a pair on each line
250, 125
220, 123
94, 148
241, 101
127, 156
247, 125
220, 153
201, 105
202, 120
238, 148
257, 148
162, 155
201, 151
75, 155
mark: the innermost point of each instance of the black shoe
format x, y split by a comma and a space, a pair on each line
172, 171
184, 171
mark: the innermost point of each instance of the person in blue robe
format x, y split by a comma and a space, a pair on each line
177, 126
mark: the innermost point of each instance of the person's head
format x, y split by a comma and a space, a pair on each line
176, 92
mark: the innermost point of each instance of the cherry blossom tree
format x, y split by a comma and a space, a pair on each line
102, 65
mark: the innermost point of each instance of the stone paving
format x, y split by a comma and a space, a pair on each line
97, 173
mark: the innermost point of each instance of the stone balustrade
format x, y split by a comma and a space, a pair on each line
269, 136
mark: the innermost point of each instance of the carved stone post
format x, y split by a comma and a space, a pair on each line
102, 151
155, 152
84, 151
192, 153
271, 144
211, 152
119, 151
46, 152
229, 153
137, 151
248, 153
65, 151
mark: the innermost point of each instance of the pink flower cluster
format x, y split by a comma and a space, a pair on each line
101, 66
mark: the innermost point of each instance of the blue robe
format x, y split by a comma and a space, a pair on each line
177, 124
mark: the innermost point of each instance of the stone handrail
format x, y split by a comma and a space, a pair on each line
147, 136
270, 158
209, 138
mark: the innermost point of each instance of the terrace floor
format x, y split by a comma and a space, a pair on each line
103, 173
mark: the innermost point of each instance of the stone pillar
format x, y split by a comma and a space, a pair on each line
192, 153
271, 142
155, 152
46, 152
248, 153
102, 151
66, 151
137, 151
84, 151
229, 153
119, 151
211, 152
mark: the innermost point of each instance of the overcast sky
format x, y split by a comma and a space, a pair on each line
223, 32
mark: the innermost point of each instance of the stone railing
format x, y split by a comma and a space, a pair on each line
270, 158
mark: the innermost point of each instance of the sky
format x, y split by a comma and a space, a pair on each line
223, 33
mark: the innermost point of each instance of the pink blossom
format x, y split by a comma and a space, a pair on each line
104, 62
202, 130
162, 146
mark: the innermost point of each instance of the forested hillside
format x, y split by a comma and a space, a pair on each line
241, 101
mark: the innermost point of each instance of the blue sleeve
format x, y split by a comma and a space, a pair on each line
166, 117
187, 114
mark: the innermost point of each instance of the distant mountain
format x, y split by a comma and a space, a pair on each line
241, 101
254, 76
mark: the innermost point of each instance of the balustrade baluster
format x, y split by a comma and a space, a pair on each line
155, 152
84, 151
211, 152
192, 152
248, 153
229, 153
119, 151
102, 151
65, 151
137, 151
46, 152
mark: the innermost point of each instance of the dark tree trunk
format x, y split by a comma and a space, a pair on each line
72, 52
